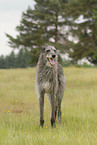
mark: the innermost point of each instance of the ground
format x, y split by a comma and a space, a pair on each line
19, 109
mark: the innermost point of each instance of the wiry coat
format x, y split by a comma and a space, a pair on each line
50, 80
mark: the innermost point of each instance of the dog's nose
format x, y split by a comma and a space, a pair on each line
53, 55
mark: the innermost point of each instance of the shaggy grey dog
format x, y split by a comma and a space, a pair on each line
50, 80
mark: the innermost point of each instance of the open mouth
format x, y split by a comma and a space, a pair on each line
51, 61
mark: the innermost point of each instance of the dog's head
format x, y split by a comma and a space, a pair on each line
50, 55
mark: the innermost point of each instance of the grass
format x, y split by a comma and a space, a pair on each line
19, 110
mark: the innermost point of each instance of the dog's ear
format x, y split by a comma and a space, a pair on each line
43, 49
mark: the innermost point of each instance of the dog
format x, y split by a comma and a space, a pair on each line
50, 80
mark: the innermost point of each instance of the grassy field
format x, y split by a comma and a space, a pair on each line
19, 110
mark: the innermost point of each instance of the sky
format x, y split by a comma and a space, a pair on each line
10, 16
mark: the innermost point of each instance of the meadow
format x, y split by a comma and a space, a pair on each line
19, 109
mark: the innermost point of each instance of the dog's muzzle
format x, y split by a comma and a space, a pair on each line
51, 59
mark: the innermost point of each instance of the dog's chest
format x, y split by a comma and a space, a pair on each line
46, 86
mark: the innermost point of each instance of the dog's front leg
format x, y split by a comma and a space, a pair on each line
41, 105
53, 109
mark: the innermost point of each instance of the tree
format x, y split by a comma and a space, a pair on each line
10, 60
85, 31
95, 20
39, 26
2, 62
22, 58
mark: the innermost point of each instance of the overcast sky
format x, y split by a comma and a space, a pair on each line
10, 16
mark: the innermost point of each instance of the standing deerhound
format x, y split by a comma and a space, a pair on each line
50, 80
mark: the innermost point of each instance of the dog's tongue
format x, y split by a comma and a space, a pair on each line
52, 61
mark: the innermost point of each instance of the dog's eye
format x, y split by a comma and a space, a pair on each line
47, 50
54, 50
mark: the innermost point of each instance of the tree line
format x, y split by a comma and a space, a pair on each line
13, 60
54, 23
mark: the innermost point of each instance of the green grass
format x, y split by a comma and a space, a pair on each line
19, 109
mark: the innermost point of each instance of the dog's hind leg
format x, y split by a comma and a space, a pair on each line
41, 105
